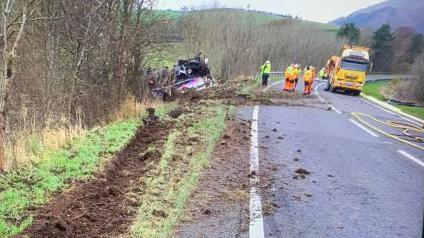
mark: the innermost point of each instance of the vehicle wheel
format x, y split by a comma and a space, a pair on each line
356, 93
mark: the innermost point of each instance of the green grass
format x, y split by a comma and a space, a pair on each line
32, 187
170, 14
373, 89
260, 17
251, 87
169, 187
415, 111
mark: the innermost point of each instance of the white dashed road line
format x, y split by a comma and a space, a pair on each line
335, 109
363, 128
256, 224
316, 92
407, 155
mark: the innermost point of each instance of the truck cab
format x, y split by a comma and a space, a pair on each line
350, 70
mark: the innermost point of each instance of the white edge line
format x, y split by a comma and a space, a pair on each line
390, 112
256, 224
379, 107
322, 99
407, 155
316, 92
391, 108
363, 128
335, 109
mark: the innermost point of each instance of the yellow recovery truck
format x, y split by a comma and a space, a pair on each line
348, 71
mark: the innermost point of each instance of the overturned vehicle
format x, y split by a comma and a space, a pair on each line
186, 75
192, 74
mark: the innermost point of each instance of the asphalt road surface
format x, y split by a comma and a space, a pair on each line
361, 183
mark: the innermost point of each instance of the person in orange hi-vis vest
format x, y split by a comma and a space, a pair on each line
307, 77
288, 85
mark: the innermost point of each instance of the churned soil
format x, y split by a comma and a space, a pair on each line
230, 92
102, 207
219, 207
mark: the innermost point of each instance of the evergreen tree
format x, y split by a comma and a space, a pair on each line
417, 47
350, 33
382, 48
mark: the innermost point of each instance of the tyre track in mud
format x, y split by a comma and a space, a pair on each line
105, 205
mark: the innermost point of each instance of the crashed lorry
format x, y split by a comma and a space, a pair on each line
348, 71
187, 75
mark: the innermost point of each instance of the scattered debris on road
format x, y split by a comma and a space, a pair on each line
301, 173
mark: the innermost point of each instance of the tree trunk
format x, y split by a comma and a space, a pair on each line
2, 141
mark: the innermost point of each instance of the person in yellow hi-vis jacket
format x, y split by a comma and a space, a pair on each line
308, 78
265, 72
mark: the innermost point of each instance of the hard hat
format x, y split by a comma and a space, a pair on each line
296, 65
267, 62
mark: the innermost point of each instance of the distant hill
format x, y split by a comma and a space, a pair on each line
259, 15
397, 13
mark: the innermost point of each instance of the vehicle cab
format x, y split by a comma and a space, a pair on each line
350, 71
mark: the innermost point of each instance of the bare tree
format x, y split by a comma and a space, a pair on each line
238, 43
71, 61
11, 11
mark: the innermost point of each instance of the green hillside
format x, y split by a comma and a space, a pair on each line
260, 16
170, 14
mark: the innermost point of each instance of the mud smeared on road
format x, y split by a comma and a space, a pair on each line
219, 205
100, 207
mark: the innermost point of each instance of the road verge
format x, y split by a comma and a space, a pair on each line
391, 108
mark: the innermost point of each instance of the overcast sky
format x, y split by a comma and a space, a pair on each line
313, 10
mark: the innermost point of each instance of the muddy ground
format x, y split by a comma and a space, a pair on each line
231, 92
221, 199
106, 205
101, 207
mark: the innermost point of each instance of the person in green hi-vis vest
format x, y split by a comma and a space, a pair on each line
265, 72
